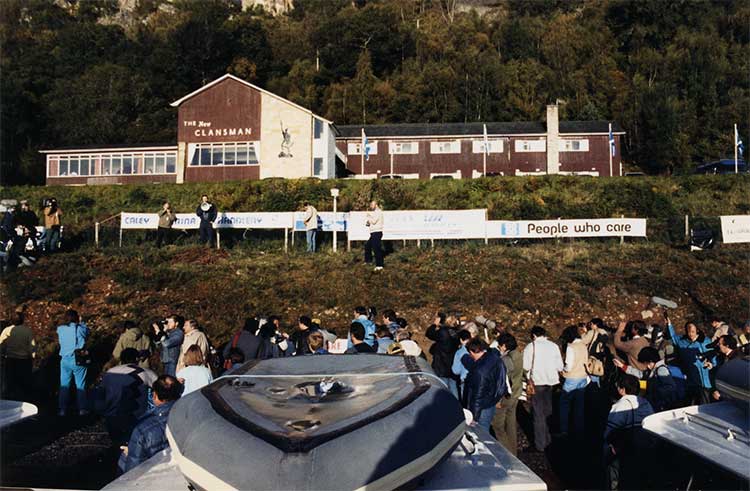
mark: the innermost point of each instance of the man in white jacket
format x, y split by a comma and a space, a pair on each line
542, 363
311, 226
373, 245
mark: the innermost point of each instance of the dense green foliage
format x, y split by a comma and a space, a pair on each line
672, 72
663, 200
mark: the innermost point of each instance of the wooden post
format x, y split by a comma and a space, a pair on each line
348, 244
120, 235
687, 226
96, 234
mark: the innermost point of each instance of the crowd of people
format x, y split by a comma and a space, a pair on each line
607, 379
21, 240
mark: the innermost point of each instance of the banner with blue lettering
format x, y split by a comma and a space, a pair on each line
325, 221
267, 220
422, 224
545, 229
187, 221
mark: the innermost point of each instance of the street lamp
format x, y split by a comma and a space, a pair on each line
335, 195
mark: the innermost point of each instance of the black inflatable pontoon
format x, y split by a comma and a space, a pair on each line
316, 422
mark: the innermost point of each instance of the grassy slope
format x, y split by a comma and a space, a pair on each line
553, 284
664, 200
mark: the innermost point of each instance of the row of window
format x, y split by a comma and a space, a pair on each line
113, 164
244, 153
477, 146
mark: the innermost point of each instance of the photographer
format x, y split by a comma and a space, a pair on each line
169, 336
442, 350
726, 346
166, 220
52, 225
207, 213
630, 341
692, 353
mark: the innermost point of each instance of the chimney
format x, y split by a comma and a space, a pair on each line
553, 140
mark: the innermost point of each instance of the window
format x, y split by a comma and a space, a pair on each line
496, 146
160, 164
356, 148
148, 164
404, 148
446, 147
116, 165
317, 166
221, 154
83, 169
317, 128
530, 146
127, 164
575, 146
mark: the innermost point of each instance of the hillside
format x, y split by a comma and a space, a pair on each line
664, 200
549, 284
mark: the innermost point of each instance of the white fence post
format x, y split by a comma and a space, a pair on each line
96, 234
286, 239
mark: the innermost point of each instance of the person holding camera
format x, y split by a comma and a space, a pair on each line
72, 336
207, 213
52, 225
374, 244
169, 337
443, 349
693, 352
167, 218
630, 341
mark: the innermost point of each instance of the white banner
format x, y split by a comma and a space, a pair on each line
735, 228
422, 224
542, 229
325, 221
267, 220
185, 221
139, 220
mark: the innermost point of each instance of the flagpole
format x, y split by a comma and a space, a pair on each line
736, 167
390, 151
609, 144
363, 149
486, 149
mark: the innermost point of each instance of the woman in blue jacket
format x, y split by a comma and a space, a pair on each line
690, 347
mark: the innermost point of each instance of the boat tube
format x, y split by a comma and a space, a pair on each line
316, 422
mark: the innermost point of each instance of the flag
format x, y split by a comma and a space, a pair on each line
611, 141
738, 142
486, 141
365, 147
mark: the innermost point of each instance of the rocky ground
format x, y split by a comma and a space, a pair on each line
552, 284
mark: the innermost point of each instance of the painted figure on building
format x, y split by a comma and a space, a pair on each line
286, 142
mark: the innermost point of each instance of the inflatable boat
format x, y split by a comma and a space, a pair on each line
316, 422
718, 433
